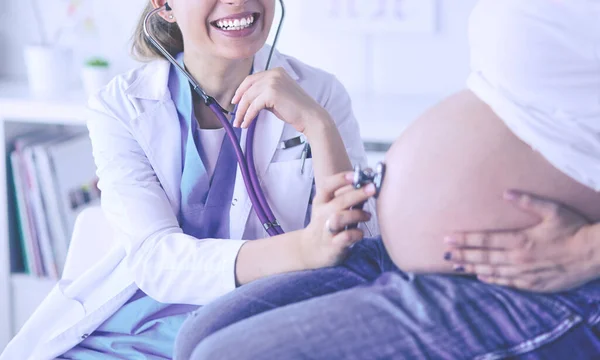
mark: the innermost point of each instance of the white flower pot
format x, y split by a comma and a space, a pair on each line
48, 69
94, 78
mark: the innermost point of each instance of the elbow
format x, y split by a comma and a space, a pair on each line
142, 265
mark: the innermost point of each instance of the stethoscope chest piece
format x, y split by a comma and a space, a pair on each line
367, 176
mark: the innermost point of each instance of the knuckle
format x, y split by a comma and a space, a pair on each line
346, 236
338, 220
530, 283
554, 210
518, 257
522, 240
358, 234
484, 240
470, 268
526, 200
279, 72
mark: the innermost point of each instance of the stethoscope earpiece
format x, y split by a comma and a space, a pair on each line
367, 176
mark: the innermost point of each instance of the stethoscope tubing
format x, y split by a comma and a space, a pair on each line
246, 162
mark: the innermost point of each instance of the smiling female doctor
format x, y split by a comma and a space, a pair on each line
171, 191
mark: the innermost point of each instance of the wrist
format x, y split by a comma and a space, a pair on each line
317, 122
589, 239
298, 250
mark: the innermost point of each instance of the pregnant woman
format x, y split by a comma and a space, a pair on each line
529, 120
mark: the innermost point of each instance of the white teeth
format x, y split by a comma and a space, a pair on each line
236, 24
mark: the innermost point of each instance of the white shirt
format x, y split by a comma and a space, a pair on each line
211, 141
137, 148
536, 63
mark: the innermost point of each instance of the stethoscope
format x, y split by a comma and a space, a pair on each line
368, 176
246, 162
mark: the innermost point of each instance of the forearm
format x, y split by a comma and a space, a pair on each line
265, 257
329, 153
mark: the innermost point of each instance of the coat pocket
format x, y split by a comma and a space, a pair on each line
289, 188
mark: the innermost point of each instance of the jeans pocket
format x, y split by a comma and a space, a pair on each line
548, 319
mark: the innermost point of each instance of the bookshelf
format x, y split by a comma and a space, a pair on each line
21, 113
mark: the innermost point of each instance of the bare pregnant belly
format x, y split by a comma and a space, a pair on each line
448, 172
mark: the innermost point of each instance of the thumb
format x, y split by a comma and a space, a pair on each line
543, 208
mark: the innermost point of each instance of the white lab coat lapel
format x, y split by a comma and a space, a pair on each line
267, 137
157, 127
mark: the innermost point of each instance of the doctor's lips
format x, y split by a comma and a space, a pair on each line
237, 22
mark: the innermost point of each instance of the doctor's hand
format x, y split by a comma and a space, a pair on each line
276, 91
555, 255
325, 241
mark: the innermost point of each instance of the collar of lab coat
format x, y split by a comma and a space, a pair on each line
162, 138
152, 83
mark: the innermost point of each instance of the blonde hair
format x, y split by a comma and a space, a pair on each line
167, 34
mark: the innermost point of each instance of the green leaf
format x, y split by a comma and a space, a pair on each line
97, 62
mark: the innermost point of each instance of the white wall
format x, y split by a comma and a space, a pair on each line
114, 20
430, 64
406, 71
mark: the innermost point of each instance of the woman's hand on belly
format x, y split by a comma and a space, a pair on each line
555, 255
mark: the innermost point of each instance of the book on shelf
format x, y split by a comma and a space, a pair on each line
54, 178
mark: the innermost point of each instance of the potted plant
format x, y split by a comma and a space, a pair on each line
49, 65
95, 74
50, 61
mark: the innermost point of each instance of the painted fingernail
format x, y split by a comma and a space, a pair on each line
459, 268
510, 195
350, 176
450, 240
370, 189
448, 256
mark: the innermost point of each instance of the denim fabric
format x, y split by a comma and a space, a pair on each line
368, 309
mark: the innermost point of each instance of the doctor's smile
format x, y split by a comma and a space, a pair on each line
245, 220
239, 25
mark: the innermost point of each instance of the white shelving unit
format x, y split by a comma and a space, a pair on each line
21, 113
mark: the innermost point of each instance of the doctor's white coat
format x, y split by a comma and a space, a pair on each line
136, 138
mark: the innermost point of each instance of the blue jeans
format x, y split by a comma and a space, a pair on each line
368, 309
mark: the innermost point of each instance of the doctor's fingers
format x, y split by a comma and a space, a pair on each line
247, 100
344, 190
347, 238
274, 75
328, 187
353, 198
340, 220
263, 101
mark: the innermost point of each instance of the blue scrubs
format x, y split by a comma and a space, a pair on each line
144, 328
